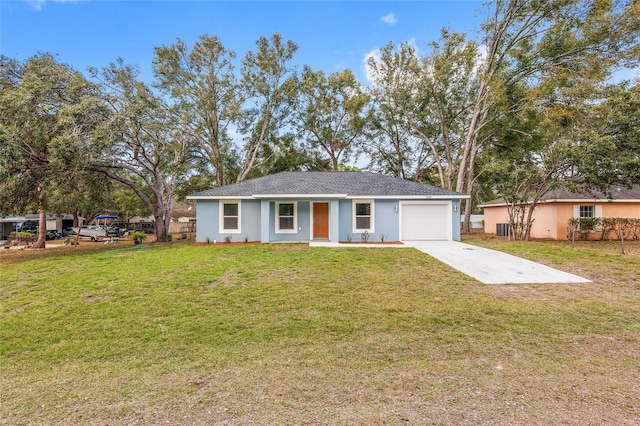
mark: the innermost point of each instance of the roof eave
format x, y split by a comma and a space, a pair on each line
219, 197
299, 196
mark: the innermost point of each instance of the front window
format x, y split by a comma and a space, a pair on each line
587, 211
286, 220
229, 217
363, 218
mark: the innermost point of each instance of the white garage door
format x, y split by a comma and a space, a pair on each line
425, 222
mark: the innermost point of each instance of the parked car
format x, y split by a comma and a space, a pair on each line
68, 232
33, 227
30, 226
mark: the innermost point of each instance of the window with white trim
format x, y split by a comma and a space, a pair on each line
586, 211
286, 217
230, 217
363, 215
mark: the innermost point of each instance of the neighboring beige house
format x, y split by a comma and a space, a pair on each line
552, 215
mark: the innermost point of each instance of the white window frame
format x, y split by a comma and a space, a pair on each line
372, 222
591, 208
597, 210
295, 218
221, 221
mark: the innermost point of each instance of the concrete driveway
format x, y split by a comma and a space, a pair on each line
493, 267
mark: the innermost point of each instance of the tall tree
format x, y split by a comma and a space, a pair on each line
140, 145
265, 74
607, 151
330, 113
221, 109
391, 147
558, 48
36, 101
433, 95
208, 98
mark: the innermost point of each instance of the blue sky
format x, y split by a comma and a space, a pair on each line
331, 35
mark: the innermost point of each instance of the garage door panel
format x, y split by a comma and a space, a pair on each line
425, 222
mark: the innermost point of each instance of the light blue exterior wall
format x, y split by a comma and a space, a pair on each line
250, 221
345, 220
386, 221
208, 217
456, 220
258, 221
303, 230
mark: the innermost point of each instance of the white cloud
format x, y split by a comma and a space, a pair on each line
389, 19
37, 4
481, 58
375, 55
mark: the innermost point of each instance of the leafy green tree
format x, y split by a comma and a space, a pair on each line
208, 97
391, 146
607, 151
330, 112
433, 96
230, 115
560, 49
265, 74
37, 101
140, 145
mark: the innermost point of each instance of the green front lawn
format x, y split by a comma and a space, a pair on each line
285, 334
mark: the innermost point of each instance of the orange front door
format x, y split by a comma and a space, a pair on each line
320, 220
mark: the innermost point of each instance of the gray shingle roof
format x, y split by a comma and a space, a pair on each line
327, 183
615, 193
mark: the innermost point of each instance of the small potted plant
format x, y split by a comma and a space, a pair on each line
169, 237
138, 237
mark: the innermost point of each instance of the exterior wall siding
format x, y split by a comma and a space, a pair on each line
552, 219
254, 219
493, 216
386, 221
457, 222
546, 223
208, 217
303, 230
345, 221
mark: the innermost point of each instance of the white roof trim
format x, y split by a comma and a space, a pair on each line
592, 200
406, 197
300, 196
315, 196
218, 197
563, 200
449, 197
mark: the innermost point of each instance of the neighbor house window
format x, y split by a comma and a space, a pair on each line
363, 218
229, 217
286, 217
586, 211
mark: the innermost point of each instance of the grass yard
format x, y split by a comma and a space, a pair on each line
285, 334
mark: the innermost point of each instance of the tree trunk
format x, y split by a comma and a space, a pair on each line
471, 180
163, 219
466, 224
334, 163
162, 228
42, 224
